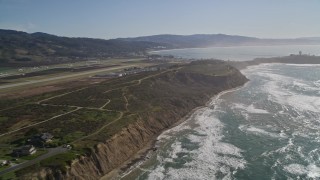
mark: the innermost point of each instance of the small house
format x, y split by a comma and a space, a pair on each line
46, 137
40, 139
24, 150
4, 162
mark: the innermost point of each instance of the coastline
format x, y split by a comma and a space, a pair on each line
143, 155
226, 104
175, 49
164, 50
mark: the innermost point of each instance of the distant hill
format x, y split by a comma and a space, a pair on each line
198, 40
20, 48
311, 38
40, 48
207, 40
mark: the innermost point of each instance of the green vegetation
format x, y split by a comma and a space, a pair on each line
79, 124
5, 151
210, 69
107, 132
26, 115
59, 161
35, 155
8, 176
4, 69
11, 103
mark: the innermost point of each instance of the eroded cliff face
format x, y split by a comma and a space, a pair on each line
112, 153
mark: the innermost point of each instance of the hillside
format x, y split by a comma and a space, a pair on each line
39, 48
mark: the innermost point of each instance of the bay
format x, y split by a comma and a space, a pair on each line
241, 53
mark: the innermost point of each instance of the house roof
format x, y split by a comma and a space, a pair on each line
46, 136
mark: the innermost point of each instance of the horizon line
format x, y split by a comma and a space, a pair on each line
162, 34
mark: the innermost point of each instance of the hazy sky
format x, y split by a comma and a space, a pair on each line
128, 18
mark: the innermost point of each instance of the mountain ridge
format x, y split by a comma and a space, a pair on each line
19, 48
207, 40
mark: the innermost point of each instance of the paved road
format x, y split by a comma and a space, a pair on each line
51, 152
5, 86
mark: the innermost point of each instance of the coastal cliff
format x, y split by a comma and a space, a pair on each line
176, 93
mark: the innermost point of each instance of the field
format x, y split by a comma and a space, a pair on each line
84, 116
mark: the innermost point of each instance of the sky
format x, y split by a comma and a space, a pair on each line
108, 19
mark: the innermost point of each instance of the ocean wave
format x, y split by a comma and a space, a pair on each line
250, 109
304, 65
311, 171
276, 87
259, 131
317, 83
212, 156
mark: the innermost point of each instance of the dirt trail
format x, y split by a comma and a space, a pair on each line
101, 108
127, 103
34, 124
99, 130
61, 95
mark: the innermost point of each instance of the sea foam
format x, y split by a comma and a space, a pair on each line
312, 171
250, 109
259, 131
211, 157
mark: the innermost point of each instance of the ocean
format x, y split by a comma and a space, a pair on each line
241, 53
267, 129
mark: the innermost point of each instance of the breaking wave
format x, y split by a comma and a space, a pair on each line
212, 156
